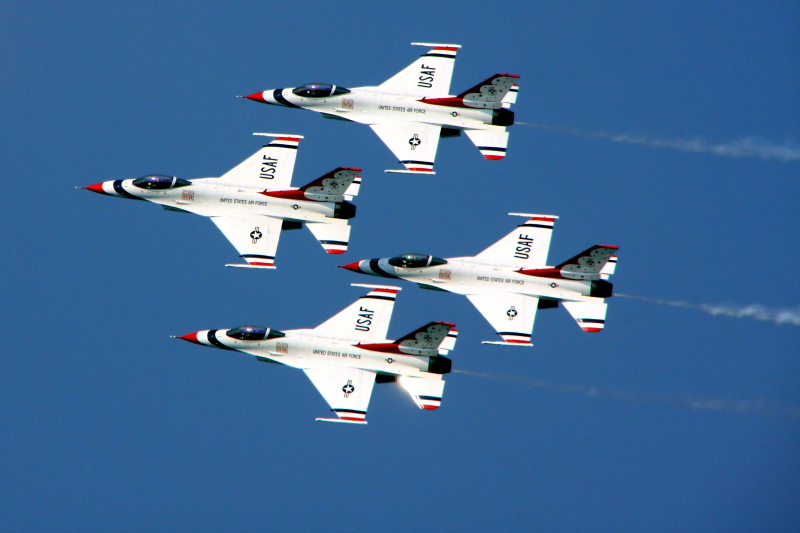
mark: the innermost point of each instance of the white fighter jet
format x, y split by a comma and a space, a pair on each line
347, 354
414, 108
253, 202
510, 280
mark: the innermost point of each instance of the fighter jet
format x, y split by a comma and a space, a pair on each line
509, 281
414, 108
348, 353
253, 202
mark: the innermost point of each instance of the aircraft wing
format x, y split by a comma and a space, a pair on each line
428, 76
347, 391
270, 168
525, 247
255, 237
511, 315
365, 320
413, 143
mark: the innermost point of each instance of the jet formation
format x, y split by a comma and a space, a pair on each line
253, 202
347, 354
510, 281
414, 108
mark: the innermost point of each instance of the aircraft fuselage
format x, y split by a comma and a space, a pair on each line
369, 105
206, 198
301, 349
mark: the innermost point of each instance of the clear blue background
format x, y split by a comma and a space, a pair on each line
670, 420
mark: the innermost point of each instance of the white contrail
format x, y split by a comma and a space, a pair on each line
754, 311
723, 405
750, 146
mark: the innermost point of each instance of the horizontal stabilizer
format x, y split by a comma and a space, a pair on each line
425, 391
503, 343
334, 236
340, 421
492, 144
238, 265
423, 172
590, 316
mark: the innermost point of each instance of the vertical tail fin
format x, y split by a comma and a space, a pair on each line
491, 93
589, 264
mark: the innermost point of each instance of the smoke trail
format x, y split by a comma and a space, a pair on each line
749, 146
722, 405
754, 311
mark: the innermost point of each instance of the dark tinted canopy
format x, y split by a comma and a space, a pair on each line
416, 261
319, 90
160, 181
253, 333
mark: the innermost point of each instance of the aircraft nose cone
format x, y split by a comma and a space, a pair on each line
355, 267
258, 97
191, 337
97, 187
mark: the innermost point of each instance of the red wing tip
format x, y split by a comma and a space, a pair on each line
336, 251
494, 156
609, 246
449, 324
258, 97
592, 330
430, 407
511, 75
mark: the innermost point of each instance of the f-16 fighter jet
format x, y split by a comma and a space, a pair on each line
253, 202
412, 109
509, 281
347, 354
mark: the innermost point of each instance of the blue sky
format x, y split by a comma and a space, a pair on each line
672, 419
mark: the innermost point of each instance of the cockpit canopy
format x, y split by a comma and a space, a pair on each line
319, 90
159, 181
416, 261
254, 333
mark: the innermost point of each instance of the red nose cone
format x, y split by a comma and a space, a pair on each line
352, 266
97, 187
191, 337
258, 97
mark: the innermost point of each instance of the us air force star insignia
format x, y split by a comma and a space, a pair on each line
512, 313
255, 234
349, 388
454, 114
554, 284
414, 141
295, 207
390, 360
